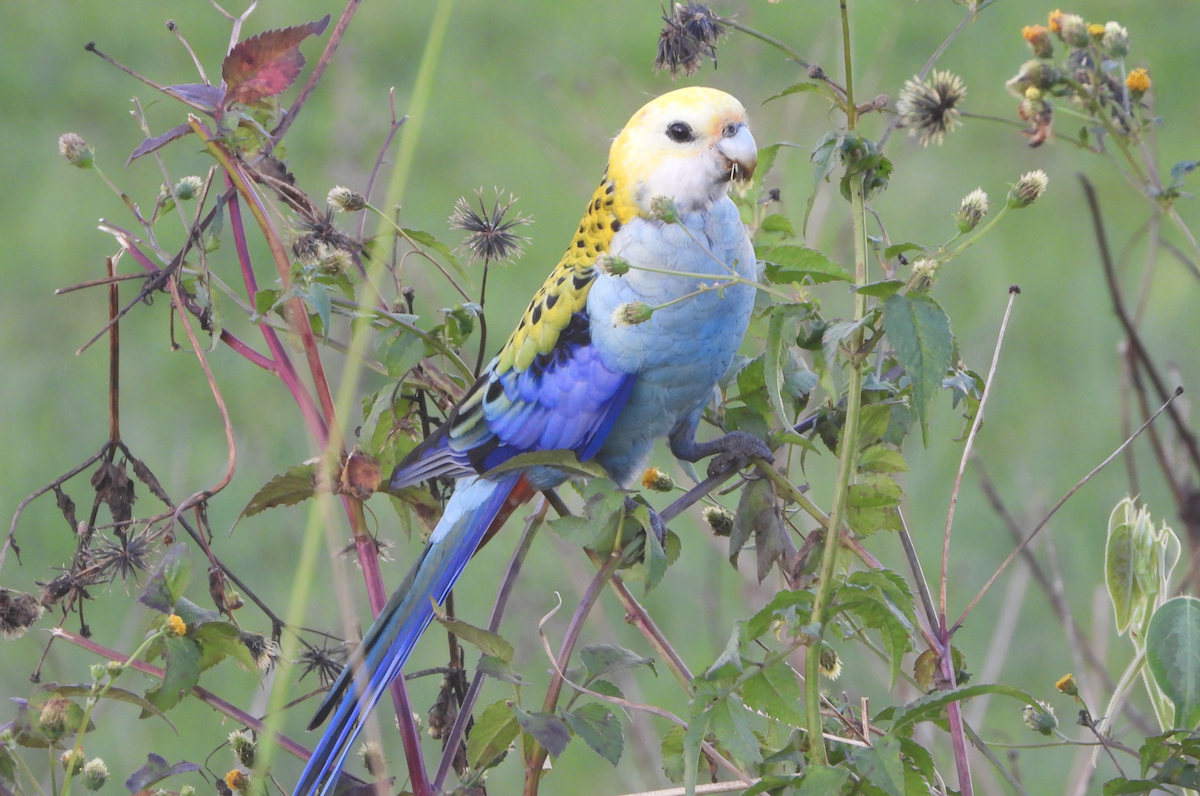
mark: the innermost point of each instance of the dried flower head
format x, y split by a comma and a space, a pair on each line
612, 265
1138, 82
264, 651
332, 260
1028, 189
929, 109
719, 519
1073, 30
345, 200
1115, 41
1033, 74
244, 747
1038, 37
491, 238
326, 661
664, 209
631, 313
1040, 718
830, 663
76, 150
372, 758
123, 558
52, 721
17, 612
691, 33
657, 480
95, 773
72, 760
1067, 685
974, 207
188, 188
237, 781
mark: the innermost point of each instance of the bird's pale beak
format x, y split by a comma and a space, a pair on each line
740, 154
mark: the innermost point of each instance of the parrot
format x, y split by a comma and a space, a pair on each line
584, 373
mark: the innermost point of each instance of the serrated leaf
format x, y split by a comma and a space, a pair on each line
159, 141
776, 222
880, 289
170, 578
266, 64
287, 489
729, 662
156, 770
672, 754
217, 640
566, 461
600, 730
487, 643
796, 88
792, 607
491, 735
774, 691
920, 333
1120, 786
882, 600
548, 729
1173, 656
114, 693
202, 96
927, 708
602, 659
758, 513
790, 263
606, 688
880, 764
731, 725
402, 354
182, 672
499, 669
901, 248
878, 459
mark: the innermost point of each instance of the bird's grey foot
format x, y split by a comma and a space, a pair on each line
732, 451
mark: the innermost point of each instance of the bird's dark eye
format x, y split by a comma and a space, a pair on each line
680, 132
730, 130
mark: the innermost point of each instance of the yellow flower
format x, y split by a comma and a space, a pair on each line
657, 480
1067, 685
1039, 40
175, 625
1138, 81
1055, 21
237, 780
1097, 30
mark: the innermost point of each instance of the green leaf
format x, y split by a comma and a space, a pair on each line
1121, 786
155, 771
1173, 655
114, 693
871, 505
790, 263
692, 738
729, 662
287, 489
318, 296
182, 674
672, 754
901, 248
777, 222
880, 764
499, 669
731, 725
548, 729
796, 88
599, 729
1119, 572
265, 301
402, 354
758, 513
794, 608
193, 614
822, 781
493, 732
920, 333
1180, 171
487, 643
880, 289
606, 688
928, 707
878, 459
169, 580
602, 659
774, 691
565, 461
218, 640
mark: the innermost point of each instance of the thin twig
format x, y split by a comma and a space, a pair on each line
335, 38
1070, 493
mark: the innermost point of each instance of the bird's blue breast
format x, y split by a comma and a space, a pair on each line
681, 352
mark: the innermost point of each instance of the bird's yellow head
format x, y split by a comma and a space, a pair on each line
686, 145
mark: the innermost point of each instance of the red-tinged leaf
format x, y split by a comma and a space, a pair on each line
201, 96
159, 141
266, 64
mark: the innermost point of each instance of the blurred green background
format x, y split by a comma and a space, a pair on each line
526, 96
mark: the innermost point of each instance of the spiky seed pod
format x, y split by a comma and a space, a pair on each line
1040, 718
491, 238
244, 747
1028, 189
691, 32
95, 774
76, 150
719, 519
188, 188
974, 207
631, 313
1115, 41
345, 200
929, 109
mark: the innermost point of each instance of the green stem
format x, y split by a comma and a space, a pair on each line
795, 56
851, 108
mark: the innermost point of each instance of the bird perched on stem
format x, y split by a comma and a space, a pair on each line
621, 346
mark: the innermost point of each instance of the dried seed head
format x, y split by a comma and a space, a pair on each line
631, 313
1038, 37
691, 32
974, 207
345, 200
264, 650
17, 612
372, 757
491, 238
719, 519
53, 719
830, 663
1028, 189
95, 773
188, 188
657, 480
929, 109
244, 747
76, 150
1115, 41
1040, 718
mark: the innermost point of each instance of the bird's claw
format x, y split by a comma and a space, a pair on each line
735, 450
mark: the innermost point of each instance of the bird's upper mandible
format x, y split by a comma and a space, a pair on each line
686, 145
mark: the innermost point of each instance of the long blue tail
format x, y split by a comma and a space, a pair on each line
385, 648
